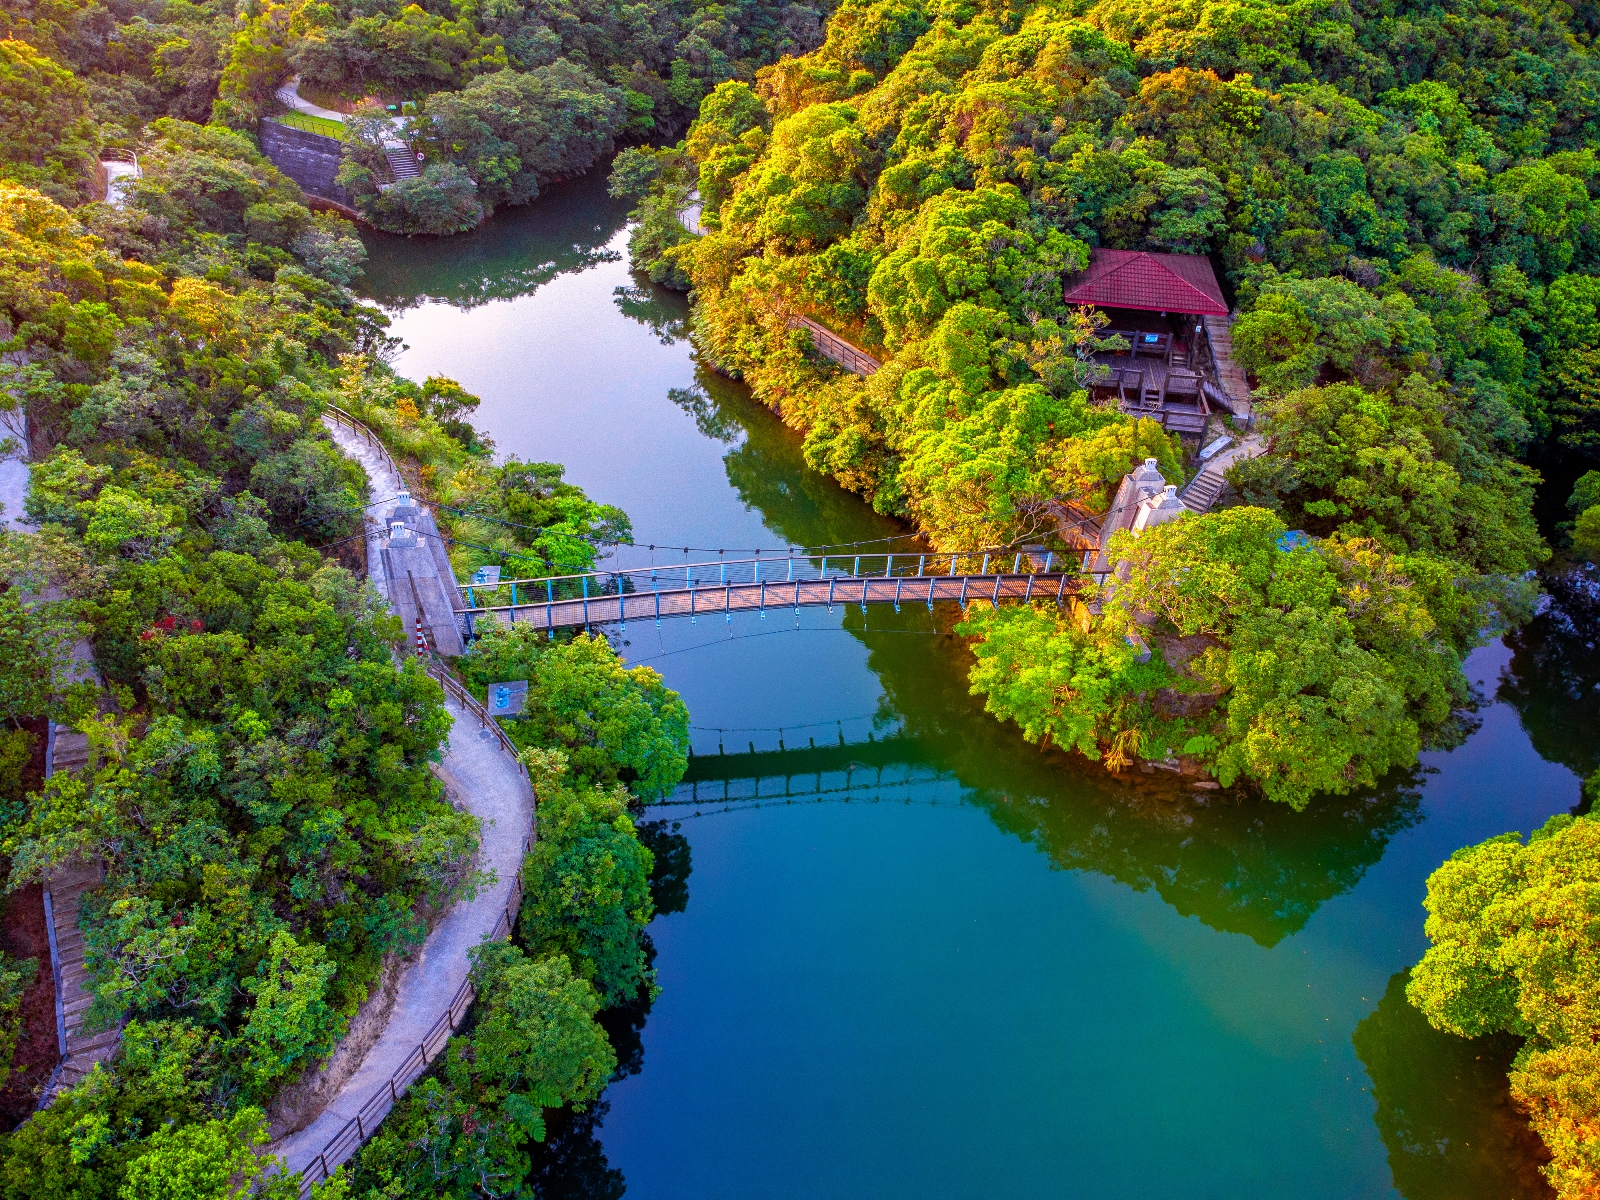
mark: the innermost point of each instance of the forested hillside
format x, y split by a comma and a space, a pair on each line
503, 97
259, 793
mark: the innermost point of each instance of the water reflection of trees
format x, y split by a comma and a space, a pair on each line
1444, 1108
1239, 865
570, 1164
1553, 679
513, 254
665, 313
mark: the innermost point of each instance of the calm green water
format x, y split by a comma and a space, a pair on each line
932, 961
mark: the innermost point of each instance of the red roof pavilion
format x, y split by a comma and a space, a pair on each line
1177, 283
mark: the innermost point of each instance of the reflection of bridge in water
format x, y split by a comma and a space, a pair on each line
696, 590
881, 771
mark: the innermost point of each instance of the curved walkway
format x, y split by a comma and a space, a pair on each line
289, 96
480, 776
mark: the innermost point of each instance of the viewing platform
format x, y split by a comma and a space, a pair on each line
1163, 307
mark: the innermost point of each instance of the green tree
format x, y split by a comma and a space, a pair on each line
536, 1045
587, 881
47, 134
614, 723
1512, 950
291, 1023
216, 1160
514, 131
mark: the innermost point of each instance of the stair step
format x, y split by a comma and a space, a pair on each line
94, 1041
402, 163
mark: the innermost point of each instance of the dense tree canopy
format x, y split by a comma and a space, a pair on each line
1303, 670
259, 788
1410, 249
1514, 950
615, 723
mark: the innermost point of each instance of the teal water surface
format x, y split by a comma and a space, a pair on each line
903, 953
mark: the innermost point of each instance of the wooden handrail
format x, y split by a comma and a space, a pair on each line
454, 687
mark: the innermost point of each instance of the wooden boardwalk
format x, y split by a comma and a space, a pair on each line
834, 348
709, 599
80, 1048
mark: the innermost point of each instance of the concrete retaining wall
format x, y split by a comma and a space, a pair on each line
309, 159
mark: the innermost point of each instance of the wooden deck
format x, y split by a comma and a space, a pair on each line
1143, 386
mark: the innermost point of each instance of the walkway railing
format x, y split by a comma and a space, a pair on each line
453, 687
772, 570
754, 585
372, 439
341, 1147
831, 346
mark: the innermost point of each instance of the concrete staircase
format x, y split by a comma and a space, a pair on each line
402, 163
1202, 491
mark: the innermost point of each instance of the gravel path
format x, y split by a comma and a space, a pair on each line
486, 781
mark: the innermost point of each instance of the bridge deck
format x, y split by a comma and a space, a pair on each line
712, 599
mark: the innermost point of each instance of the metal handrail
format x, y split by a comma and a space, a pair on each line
454, 687
848, 566
356, 426
353, 1134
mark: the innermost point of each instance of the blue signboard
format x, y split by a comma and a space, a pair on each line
506, 699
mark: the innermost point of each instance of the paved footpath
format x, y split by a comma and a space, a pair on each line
482, 778
289, 96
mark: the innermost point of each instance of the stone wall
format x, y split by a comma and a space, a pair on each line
309, 159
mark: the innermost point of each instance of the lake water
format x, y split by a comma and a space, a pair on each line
902, 952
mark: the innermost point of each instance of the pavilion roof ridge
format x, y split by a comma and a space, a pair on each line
1150, 280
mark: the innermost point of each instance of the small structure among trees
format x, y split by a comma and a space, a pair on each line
1156, 358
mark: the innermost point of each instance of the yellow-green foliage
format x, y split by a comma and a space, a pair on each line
1316, 669
1515, 949
47, 137
922, 181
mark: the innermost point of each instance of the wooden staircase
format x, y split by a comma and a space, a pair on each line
80, 1048
1219, 335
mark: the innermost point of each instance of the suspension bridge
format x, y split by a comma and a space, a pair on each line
773, 583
